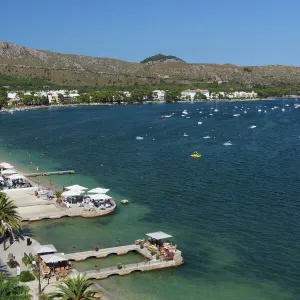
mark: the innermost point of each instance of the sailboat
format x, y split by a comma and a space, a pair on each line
283, 109
245, 111
216, 109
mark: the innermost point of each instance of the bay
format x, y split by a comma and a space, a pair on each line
234, 213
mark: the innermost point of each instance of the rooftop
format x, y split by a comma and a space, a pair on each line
159, 235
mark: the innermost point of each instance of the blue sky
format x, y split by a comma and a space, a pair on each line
242, 32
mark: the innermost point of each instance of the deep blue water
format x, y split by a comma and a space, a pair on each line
234, 213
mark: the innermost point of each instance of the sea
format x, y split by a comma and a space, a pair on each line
234, 212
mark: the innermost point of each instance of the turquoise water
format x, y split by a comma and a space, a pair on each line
234, 213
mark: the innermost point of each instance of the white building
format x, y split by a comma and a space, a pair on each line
190, 94
244, 94
12, 98
159, 95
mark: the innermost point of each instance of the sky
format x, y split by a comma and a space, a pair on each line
241, 32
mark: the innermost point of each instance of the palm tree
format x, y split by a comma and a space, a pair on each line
74, 289
9, 217
58, 195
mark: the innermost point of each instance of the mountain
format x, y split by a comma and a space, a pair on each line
161, 58
68, 69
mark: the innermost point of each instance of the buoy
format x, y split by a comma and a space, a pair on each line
124, 201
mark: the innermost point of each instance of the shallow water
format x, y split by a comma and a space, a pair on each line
234, 213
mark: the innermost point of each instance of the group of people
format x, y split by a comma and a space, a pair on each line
14, 184
88, 203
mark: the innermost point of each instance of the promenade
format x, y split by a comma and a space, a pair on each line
32, 208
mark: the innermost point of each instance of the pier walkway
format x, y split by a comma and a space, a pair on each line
121, 250
49, 173
127, 269
151, 264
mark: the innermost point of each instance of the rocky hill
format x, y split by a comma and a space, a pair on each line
78, 69
161, 58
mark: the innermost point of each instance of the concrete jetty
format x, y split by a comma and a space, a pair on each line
52, 211
49, 173
151, 264
127, 269
121, 250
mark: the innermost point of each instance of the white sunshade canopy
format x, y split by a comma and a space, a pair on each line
1, 178
100, 197
6, 165
8, 172
76, 187
98, 190
44, 249
16, 176
72, 193
53, 258
159, 235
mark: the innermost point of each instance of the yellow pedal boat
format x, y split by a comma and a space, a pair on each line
195, 155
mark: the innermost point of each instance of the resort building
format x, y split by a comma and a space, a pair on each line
12, 98
159, 95
190, 94
243, 95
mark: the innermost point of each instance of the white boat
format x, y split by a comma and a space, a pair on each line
185, 112
252, 126
139, 138
211, 114
236, 115
185, 134
199, 123
216, 109
206, 137
259, 110
227, 143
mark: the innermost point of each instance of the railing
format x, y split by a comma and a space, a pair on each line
130, 267
102, 251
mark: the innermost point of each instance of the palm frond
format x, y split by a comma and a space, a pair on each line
9, 216
76, 288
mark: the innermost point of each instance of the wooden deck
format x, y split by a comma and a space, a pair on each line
49, 173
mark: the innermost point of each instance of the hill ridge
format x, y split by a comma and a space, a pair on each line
76, 69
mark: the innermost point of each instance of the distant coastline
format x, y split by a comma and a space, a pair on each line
32, 107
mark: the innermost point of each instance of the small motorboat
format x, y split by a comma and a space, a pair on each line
138, 138
185, 134
196, 155
227, 143
252, 126
236, 115
206, 137
199, 123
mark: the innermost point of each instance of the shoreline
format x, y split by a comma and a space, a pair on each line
2, 253
24, 108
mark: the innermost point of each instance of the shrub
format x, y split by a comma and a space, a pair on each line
26, 276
